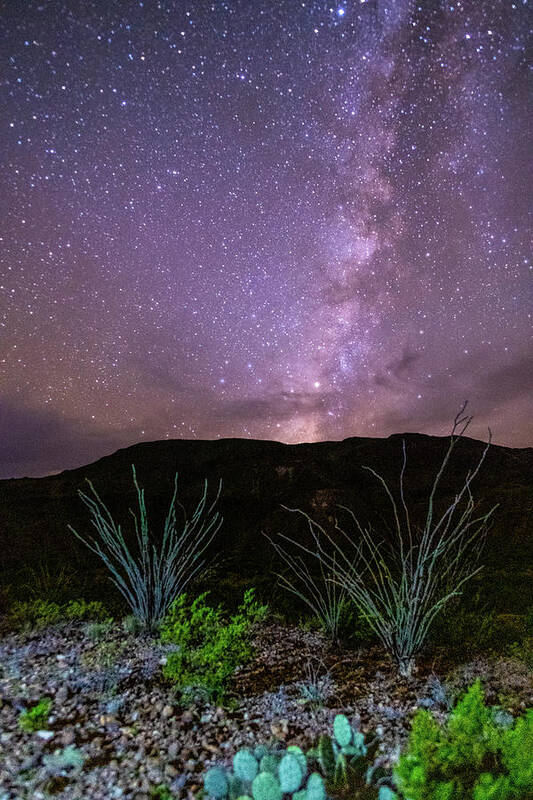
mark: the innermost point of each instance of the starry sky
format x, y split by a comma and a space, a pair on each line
272, 219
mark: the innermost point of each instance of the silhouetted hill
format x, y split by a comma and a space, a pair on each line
259, 476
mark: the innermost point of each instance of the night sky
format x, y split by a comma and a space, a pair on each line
272, 219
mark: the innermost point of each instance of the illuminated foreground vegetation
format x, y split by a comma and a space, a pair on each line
402, 590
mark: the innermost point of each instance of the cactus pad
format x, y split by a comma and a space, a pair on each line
216, 782
315, 787
266, 787
300, 755
342, 730
326, 755
270, 763
245, 765
290, 773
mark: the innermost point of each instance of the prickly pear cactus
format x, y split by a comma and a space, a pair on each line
245, 765
342, 730
216, 783
290, 774
346, 763
326, 755
263, 775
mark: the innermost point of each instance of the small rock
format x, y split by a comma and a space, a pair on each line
173, 750
167, 712
61, 695
46, 735
68, 737
280, 728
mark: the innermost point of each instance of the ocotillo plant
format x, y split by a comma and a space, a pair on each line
156, 575
401, 588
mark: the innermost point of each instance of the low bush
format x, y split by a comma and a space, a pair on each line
208, 647
103, 656
34, 719
36, 614
508, 628
33, 614
161, 792
132, 625
353, 629
96, 631
81, 610
54, 583
468, 631
479, 754
523, 651
528, 621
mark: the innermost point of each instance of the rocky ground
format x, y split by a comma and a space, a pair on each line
111, 703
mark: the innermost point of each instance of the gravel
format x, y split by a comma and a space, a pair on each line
111, 703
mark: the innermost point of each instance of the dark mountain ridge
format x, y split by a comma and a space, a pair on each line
258, 476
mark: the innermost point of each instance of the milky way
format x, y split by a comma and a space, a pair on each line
280, 220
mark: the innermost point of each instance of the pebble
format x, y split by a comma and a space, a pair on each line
151, 740
173, 750
68, 737
61, 695
46, 735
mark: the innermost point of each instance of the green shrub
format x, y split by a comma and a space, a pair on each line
33, 614
103, 656
36, 614
96, 631
161, 792
132, 625
209, 648
528, 621
472, 757
83, 610
54, 584
352, 630
34, 719
523, 651
508, 628
465, 631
